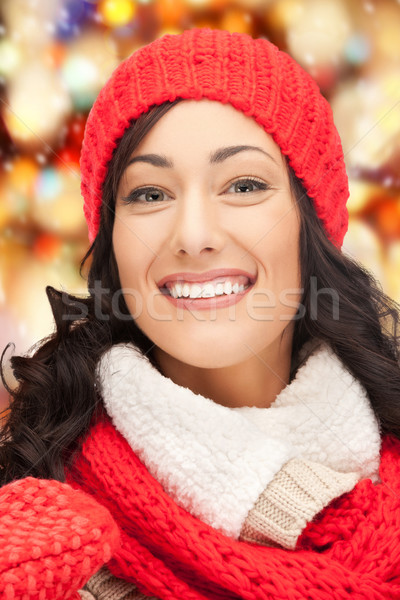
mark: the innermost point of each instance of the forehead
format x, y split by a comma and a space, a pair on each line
201, 126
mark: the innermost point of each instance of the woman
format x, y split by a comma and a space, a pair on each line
220, 418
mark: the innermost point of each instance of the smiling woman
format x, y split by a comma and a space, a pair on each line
220, 417
213, 235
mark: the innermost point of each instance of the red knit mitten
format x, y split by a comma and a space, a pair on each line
52, 539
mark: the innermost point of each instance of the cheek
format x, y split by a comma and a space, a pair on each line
134, 249
278, 253
132, 263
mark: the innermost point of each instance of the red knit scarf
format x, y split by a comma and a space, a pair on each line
351, 551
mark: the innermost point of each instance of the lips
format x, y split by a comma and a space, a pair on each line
210, 276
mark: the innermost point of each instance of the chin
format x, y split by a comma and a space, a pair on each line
218, 358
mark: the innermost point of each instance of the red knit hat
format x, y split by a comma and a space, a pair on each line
250, 74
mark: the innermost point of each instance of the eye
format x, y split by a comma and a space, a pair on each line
248, 185
146, 195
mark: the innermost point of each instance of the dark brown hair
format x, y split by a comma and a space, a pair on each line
57, 396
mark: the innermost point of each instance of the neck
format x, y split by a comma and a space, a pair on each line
254, 382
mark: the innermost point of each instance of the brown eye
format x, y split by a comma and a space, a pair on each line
248, 185
244, 186
153, 196
145, 196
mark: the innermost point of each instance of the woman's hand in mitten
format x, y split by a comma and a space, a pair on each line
52, 539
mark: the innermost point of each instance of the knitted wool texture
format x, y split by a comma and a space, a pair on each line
351, 551
54, 537
250, 74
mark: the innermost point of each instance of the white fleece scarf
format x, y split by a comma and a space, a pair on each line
215, 461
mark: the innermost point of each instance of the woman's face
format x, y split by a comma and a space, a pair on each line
206, 237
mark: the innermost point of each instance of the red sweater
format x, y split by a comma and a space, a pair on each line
54, 536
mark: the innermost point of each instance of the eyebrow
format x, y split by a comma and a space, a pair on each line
218, 156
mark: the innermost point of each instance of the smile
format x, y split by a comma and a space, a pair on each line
217, 288
209, 289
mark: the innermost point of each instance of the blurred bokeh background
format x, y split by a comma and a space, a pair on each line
55, 55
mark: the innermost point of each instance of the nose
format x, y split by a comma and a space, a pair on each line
196, 227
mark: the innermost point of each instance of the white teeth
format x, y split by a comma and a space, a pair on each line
195, 291
208, 291
205, 290
227, 287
